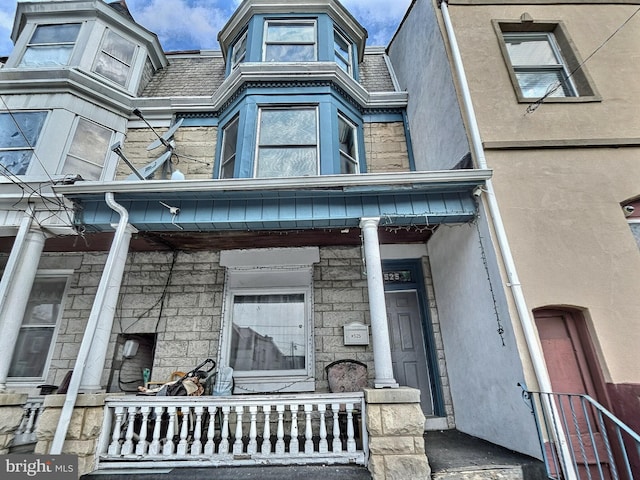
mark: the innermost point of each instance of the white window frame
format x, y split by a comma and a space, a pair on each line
101, 51
291, 21
236, 58
45, 274
31, 45
264, 272
353, 160
348, 60
568, 88
261, 109
84, 160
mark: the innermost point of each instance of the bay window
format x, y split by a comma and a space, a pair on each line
287, 142
88, 150
290, 41
50, 45
19, 133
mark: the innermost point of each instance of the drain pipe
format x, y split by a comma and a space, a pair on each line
92, 325
530, 334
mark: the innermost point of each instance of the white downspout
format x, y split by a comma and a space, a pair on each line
530, 333
85, 347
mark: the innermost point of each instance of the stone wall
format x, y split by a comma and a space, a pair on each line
11, 410
386, 147
194, 151
84, 428
395, 424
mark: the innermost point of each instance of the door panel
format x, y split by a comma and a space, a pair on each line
408, 353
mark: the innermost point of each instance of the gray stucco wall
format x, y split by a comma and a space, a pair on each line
483, 374
437, 132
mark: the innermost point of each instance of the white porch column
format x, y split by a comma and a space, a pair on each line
15, 288
105, 308
377, 305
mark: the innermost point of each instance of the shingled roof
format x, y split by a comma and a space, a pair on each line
194, 75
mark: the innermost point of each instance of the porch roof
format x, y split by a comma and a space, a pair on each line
416, 198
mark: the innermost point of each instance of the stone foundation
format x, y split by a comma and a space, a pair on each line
11, 410
395, 423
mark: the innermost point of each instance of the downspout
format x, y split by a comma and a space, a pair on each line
529, 330
92, 325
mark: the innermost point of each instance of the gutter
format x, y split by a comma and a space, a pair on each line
92, 326
528, 327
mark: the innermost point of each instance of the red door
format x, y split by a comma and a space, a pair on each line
569, 356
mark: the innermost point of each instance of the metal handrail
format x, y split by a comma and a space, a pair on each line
599, 445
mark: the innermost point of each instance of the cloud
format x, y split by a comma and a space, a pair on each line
6, 23
380, 17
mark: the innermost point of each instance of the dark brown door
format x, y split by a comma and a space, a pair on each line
408, 352
569, 356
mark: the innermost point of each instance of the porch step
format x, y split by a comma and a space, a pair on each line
297, 472
454, 455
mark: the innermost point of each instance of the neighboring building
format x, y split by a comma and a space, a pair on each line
548, 100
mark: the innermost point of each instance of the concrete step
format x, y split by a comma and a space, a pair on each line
263, 472
454, 455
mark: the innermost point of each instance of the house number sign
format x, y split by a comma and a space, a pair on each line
397, 276
356, 334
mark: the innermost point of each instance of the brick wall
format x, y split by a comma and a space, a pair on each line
386, 147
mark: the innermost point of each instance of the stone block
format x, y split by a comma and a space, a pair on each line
7, 399
392, 445
10, 419
377, 467
402, 419
374, 420
392, 395
47, 424
403, 467
79, 447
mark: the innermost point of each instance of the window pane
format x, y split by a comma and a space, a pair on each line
239, 50
290, 32
119, 47
20, 129
46, 56
268, 332
31, 351
229, 142
290, 53
538, 84
44, 301
88, 150
288, 127
113, 69
535, 51
347, 165
341, 50
15, 161
286, 162
66, 33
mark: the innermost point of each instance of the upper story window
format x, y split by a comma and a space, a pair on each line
229, 146
538, 65
287, 142
50, 45
290, 41
347, 138
543, 62
239, 50
35, 342
342, 51
88, 150
115, 58
19, 133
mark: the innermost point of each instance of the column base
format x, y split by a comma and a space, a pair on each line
385, 383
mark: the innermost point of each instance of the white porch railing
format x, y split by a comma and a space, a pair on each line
26, 432
234, 430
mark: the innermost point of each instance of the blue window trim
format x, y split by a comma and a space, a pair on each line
415, 266
325, 27
328, 104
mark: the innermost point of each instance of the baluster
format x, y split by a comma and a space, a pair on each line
308, 433
141, 447
210, 446
154, 448
252, 446
224, 443
351, 441
294, 446
26, 414
196, 446
280, 431
168, 447
31, 417
266, 433
184, 431
114, 447
323, 446
337, 443
237, 445
127, 447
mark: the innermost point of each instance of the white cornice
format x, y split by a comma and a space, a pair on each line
393, 179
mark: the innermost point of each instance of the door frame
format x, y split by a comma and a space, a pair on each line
415, 281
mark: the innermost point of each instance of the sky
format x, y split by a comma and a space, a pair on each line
194, 24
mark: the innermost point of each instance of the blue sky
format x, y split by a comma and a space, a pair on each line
194, 24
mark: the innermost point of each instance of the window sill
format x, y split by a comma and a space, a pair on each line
578, 99
264, 385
